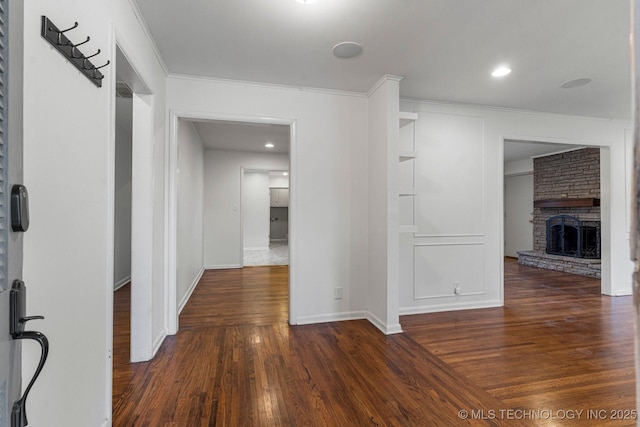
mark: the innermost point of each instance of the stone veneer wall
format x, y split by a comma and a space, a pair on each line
570, 175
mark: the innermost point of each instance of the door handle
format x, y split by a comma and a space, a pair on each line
17, 324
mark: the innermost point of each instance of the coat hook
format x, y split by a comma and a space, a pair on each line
102, 66
60, 33
84, 61
75, 48
80, 44
97, 68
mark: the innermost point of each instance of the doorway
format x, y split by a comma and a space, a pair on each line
232, 145
265, 218
131, 205
543, 180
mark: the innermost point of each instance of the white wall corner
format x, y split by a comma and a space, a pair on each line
157, 343
221, 266
382, 326
192, 287
382, 80
331, 317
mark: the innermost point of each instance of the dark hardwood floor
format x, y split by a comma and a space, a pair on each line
557, 345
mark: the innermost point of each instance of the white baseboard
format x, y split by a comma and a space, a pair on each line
221, 266
621, 292
257, 248
157, 343
333, 317
121, 283
405, 311
192, 287
383, 327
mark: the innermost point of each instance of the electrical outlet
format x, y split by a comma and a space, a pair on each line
338, 292
456, 288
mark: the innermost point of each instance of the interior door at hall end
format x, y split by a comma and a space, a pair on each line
14, 221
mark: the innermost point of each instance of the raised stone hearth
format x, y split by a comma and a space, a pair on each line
582, 266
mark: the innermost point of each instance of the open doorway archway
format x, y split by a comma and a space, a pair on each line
518, 155
173, 196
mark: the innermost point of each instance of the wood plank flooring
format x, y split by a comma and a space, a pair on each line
235, 360
557, 344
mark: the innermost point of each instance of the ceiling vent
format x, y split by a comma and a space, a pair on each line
123, 90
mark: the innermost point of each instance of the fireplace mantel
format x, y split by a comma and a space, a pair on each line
566, 203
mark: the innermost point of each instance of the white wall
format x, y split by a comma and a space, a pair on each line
459, 209
69, 170
328, 209
222, 202
122, 211
278, 181
255, 210
383, 224
190, 239
518, 214
517, 167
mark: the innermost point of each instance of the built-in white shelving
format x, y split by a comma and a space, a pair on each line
408, 228
407, 192
404, 155
406, 118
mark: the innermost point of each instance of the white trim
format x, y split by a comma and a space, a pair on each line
106, 423
509, 110
179, 76
559, 152
121, 283
171, 204
449, 235
333, 317
406, 311
381, 81
145, 29
110, 231
383, 327
192, 287
257, 248
241, 255
171, 225
157, 343
222, 266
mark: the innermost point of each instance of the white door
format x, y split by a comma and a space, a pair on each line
10, 241
14, 220
518, 211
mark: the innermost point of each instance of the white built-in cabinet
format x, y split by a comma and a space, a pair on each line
406, 153
279, 197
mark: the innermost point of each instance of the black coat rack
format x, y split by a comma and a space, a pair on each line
57, 38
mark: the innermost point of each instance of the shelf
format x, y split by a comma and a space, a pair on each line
566, 203
405, 155
406, 118
408, 228
407, 192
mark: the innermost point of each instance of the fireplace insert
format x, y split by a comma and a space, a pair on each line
569, 236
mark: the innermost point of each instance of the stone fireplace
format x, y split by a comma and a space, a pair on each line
566, 214
568, 236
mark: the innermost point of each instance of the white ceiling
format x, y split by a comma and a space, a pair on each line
519, 150
241, 136
445, 49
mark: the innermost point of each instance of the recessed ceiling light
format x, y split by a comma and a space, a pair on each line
501, 71
346, 50
306, 1
268, 145
575, 83
285, 173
